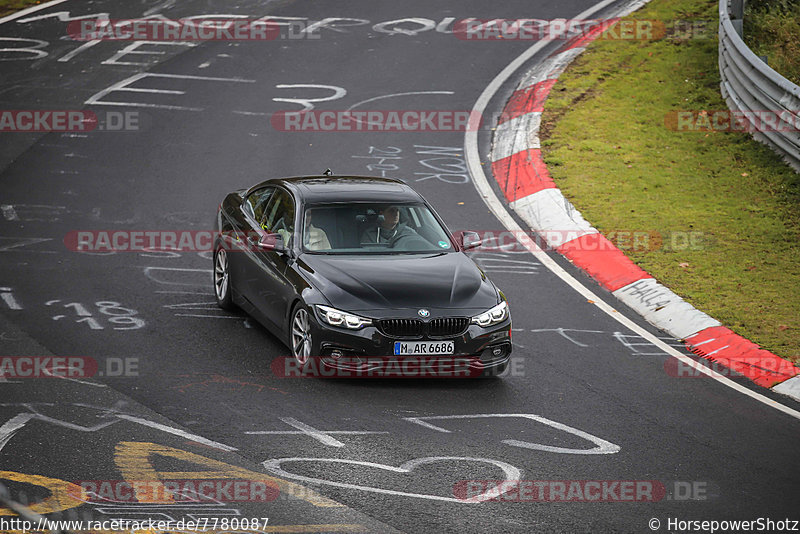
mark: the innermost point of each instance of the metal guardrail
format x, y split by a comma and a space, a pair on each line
749, 85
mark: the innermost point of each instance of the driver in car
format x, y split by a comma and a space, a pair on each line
388, 228
315, 238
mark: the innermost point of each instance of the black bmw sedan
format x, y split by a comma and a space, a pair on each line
357, 271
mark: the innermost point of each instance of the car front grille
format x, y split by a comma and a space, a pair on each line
447, 326
401, 327
414, 328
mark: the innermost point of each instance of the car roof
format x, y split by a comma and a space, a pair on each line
316, 189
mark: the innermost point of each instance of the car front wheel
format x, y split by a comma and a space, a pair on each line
222, 280
300, 337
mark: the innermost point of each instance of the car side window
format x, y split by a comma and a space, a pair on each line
279, 215
257, 202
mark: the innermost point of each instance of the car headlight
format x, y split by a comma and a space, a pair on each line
336, 317
495, 315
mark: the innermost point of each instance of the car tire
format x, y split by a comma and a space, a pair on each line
222, 280
301, 341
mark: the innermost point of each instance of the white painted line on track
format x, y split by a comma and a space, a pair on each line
11, 426
511, 475
312, 432
124, 86
601, 446
177, 432
85, 382
8, 297
481, 183
301, 433
71, 54
395, 95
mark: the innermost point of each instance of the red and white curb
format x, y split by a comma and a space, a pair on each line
522, 175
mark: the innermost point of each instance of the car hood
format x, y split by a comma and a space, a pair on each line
368, 283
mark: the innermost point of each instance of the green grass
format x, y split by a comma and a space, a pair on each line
772, 29
607, 147
8, 7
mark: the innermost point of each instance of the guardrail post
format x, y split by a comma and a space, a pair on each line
737, 9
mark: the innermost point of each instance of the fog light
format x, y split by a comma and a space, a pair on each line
497, 351
336, 354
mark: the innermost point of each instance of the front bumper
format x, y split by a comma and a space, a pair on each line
478, 350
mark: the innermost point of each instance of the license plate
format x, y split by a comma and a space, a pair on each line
402, 348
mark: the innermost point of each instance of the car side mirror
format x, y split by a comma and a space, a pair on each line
271, 242
470, 240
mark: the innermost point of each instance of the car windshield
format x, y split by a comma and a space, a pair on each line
373, 228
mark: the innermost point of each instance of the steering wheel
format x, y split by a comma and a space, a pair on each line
409, 242
281, 229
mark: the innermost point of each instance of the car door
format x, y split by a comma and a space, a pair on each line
252, 211
270, 290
